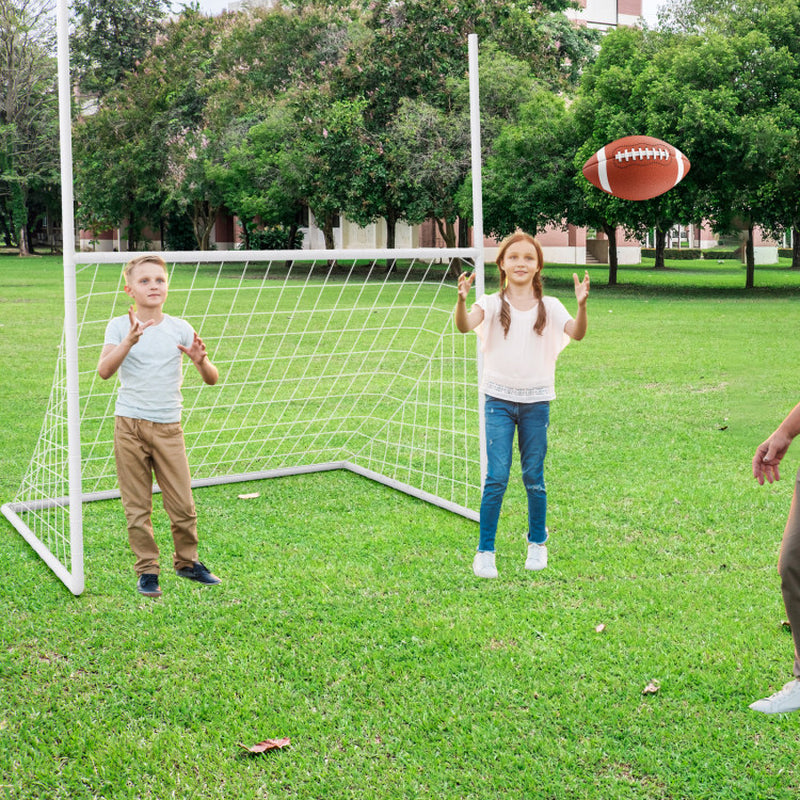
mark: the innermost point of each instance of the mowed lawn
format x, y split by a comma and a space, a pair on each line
350, 622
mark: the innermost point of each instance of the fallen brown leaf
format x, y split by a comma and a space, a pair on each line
599, 628
651, 688
250, 496
267, 744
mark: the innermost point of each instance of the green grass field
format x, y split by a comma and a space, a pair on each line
349, 619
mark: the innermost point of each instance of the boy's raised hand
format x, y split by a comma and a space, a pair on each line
581, 287
196, 351
464, 282
137, 326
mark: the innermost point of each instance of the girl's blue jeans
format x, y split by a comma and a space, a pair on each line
531, 420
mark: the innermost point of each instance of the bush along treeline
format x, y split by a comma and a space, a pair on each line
696, 253
361, 109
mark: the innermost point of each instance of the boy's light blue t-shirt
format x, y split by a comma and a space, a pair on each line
151, 375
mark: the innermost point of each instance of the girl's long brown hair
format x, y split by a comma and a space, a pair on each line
505, 308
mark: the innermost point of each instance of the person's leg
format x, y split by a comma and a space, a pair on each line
135, 476
500, 422
174, 479
534, 419
788, 698
789, 571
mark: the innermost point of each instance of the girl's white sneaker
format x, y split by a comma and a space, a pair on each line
483, 565
537, 557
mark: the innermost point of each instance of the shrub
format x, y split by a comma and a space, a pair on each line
277, 237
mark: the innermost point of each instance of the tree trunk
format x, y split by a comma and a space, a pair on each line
613, 259
795, 247
132, 234
204, 216
24, 246
391, 238
19, 213
447, 230
293, 228
661, 246
750, 259
457, 265
327, 232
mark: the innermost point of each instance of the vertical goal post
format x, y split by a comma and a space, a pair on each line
327, 361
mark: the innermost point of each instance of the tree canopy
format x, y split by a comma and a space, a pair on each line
359, 107
353, 88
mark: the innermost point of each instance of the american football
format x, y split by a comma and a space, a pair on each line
636, 168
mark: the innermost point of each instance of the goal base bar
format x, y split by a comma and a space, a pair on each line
75, 583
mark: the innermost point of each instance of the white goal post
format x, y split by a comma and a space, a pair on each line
327, 361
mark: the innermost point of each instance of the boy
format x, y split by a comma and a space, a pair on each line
146, 347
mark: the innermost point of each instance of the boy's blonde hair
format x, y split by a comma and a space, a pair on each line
128, 269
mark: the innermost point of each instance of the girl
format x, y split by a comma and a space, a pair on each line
522, 332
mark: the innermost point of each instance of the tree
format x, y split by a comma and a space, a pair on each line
144, 154
433, 148
118, 158
733, 105
528, 177
331, 149
604, 110
110, 38
28, 108
736, 88
256, 182
411, 70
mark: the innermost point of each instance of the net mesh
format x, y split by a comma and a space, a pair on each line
322, 363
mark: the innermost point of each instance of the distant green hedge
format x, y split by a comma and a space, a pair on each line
692, 253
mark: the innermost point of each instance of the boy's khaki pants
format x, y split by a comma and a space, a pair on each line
141, 449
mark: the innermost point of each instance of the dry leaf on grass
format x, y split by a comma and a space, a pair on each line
250, 496
651, 688
599, 628
266, 745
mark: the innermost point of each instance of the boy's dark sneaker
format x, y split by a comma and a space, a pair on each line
200, 573
148, 585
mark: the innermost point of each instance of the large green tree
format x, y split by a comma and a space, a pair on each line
29, 163
110, 38
731, 103
412, 70
528, 175
143, 156
257, 180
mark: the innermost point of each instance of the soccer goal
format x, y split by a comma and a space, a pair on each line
328, 360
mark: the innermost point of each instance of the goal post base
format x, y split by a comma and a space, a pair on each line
75, 582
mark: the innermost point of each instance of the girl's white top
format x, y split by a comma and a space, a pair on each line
521, 367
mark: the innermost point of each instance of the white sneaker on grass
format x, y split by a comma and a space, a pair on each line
537, 557
483, 565
787, 699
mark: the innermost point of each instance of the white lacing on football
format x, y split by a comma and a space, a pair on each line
643, 153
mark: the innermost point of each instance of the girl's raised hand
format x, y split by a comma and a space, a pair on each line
464, 282
581, 288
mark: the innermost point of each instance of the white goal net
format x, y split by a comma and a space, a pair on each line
327, 360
